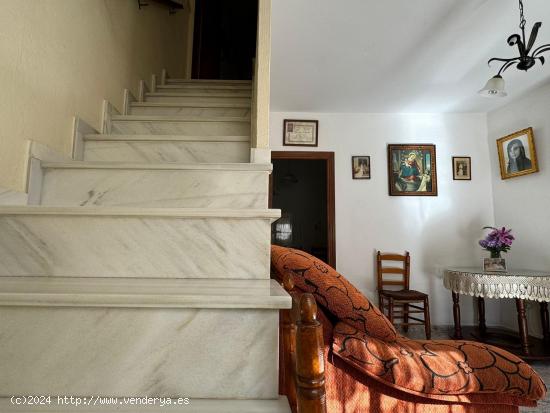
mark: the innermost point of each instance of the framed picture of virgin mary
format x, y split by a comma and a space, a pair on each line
412, 170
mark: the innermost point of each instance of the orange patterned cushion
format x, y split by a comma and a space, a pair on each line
437, 367
332, 291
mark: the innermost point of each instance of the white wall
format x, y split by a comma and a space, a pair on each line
522, 203
438, 231
61, 58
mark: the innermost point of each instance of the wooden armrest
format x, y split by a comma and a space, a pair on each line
302, 360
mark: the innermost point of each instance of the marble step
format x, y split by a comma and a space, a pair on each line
206, 89
187, 109
215, 82
196, 98
206, 85
179, 125
141, 293
154, 185
118, 347
135, 242
167, 148
279, 405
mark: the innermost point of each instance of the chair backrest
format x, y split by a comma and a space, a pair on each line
396, 275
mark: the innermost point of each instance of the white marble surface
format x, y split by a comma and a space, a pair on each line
135, 242
243, 110
209, 86
142, 293
155, 125
156, 151
80, 129
43, 152
209, 90
208, 81
9, 197
198, 353
279, 405
194, 98
107, 113
151, 186
35, 176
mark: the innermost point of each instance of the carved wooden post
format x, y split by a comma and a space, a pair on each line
287, 361
310, 364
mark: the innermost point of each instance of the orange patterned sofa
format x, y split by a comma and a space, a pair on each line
369, 367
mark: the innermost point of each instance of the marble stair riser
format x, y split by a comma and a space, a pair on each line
207, 85
155, 352
134, 246
195, 99
213, 82
190, 111
155, 188
167, 151
166, 127
209, 90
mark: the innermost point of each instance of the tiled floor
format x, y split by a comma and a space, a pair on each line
542, 367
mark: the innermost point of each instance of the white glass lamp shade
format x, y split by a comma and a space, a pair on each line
494, 88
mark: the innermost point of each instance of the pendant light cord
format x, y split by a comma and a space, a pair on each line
522, 21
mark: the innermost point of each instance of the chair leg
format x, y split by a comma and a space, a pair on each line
405, 317
390, 310
427, 323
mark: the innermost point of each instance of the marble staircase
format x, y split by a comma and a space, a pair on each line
141, 267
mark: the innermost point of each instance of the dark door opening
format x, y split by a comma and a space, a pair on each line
302, 187
224, 39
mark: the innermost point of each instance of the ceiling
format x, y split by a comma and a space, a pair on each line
397, 55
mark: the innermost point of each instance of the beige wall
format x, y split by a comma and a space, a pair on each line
61, 58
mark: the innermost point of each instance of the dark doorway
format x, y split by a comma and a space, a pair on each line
224, 39
302, 187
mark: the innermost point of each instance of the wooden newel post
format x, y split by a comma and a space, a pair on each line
310, 365
287, 361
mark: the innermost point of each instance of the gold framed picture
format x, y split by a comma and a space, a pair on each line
517, 155
462, 168
411, 170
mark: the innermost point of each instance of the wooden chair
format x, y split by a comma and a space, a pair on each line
406, 300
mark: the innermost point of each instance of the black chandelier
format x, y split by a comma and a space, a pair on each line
525, 61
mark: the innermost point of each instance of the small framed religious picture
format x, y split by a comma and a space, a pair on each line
300, 132
462, 168
494, 264
411, 170
360, 167
517, 155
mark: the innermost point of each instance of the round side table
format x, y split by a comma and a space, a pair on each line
518, 284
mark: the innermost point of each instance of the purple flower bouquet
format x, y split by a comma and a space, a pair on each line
497, 241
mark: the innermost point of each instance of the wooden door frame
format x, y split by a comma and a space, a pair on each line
331, 221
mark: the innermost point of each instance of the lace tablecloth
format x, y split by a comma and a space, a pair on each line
527, 285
